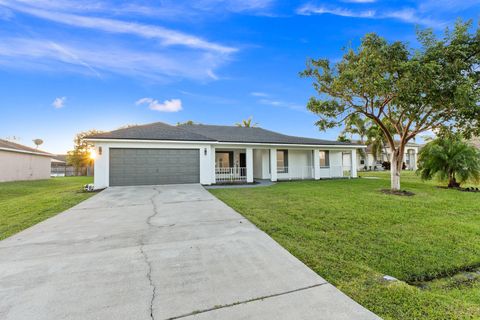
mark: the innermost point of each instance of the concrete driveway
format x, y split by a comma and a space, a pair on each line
160, 252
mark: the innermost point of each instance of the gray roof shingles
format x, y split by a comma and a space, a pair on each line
152, 131
20, 147
201, 132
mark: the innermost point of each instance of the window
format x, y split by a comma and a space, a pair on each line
324, 159
407, 158
224, 159
282, 161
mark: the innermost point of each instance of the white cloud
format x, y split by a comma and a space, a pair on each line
360, 1
259, 94
412, 16
282, 104
447, 5
408, 15
166, 36
94, 59
59, 102
267, 99
171, 9
343, 12
231, 5
151, 50
5, 14
173, 105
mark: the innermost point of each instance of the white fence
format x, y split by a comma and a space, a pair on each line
231, 175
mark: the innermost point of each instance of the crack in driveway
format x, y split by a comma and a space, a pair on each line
184, 201
145, 256
246, 301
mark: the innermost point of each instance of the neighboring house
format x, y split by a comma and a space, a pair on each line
60, 168
19, 162
475, 141
368, 161
159, 153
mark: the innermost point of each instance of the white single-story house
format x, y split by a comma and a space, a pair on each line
368, 161
159, 153
19, 162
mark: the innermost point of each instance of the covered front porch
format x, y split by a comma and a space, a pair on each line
245, 165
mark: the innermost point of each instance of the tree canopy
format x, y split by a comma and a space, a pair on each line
79, 157
403, 91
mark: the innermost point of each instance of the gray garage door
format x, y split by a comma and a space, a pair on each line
135, 167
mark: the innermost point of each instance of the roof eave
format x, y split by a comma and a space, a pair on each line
148, 140
349, 146
26, 152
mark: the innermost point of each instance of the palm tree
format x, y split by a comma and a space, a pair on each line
377, 141
356, 125
449, 158
246, 123
343, 138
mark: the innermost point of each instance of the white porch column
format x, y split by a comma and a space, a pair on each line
413, 160
353, 166
212, 165
316, 164
249, 156
273, 164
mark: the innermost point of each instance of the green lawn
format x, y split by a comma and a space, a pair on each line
25, 203
352, 235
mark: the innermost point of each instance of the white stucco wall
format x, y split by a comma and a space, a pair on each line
298, 157
23, 166
300, 164
336, 169
101, 178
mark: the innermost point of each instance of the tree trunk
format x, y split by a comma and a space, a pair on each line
452, 182
396, 162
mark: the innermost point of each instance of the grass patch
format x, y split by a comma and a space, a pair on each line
352, 235
25, 203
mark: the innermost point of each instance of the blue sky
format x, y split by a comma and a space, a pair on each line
68, 66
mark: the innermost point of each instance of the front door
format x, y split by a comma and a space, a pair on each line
243, 160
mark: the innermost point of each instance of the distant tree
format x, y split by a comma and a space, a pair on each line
186, 123
79, 157
343, 138
246, 123
449, 158
432, 88
37, 142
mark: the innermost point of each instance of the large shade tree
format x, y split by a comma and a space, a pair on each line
433, 87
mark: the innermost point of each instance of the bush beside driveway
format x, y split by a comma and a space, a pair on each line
26, 203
